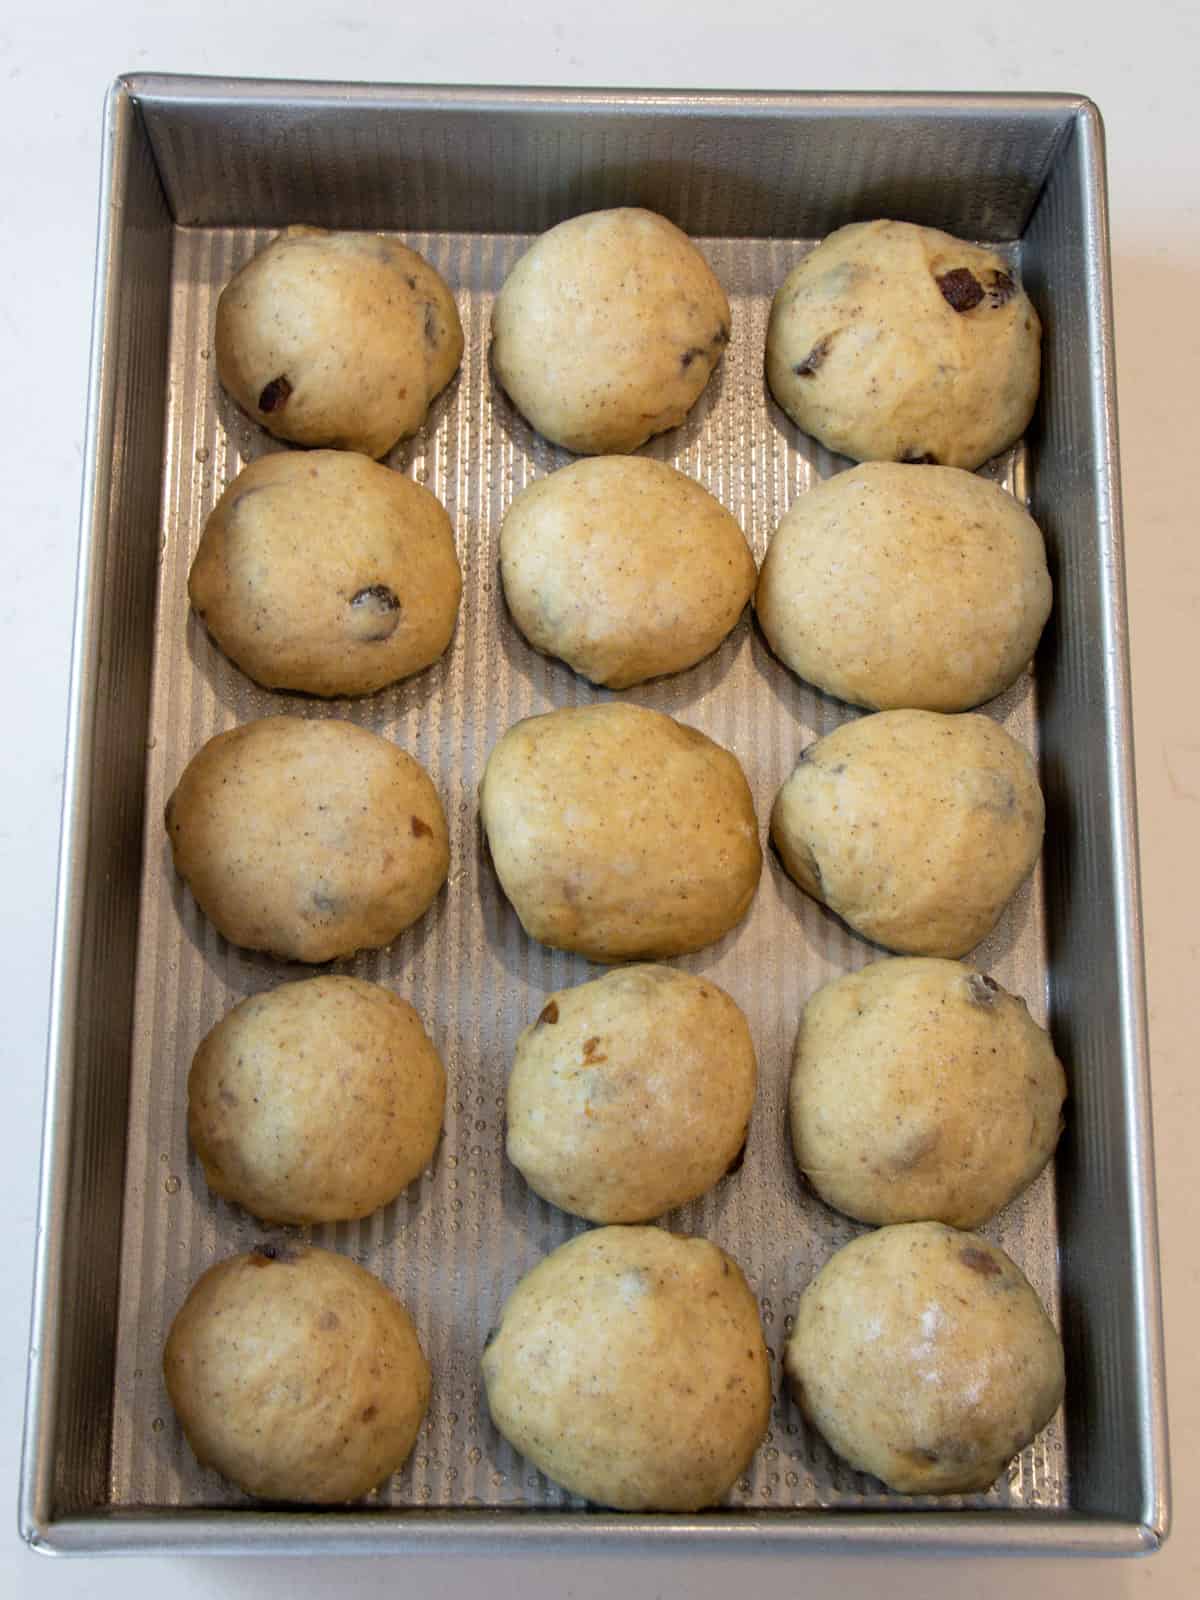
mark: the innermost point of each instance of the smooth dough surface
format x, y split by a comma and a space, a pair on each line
620, 833
630, 1367
631, 1094
296, 1375
309, 838
916, 828
327, 573
898, 586
922, 1091
891, 342
923, 1356
607, 330
624, 568
317, 1101
338, 339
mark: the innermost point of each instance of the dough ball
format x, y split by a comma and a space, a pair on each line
327, 573
630, 1367
624, 568
894, 586
316, 1102
309, 839
607, 330
338, 339
631, 1094
891, 342
922, 1091
297, 1375
619, 832
915, 828
924, 1357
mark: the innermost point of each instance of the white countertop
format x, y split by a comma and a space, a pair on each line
1140, 64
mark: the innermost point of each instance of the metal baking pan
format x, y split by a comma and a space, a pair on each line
196, 175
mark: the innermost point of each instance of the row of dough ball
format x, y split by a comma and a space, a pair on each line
614, 830
887, 586
887, 342
629, 1366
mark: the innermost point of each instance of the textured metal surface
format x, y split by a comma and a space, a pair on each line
456, 1243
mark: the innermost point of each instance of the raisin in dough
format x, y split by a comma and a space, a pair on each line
607, 330
327, 573
317, 1101
891, 342
631, 1094
297, 1375
924, 1356
922, 1091
624, 568
893, 586
620, 833
308, 838
339, 339
630, 1367
917, 828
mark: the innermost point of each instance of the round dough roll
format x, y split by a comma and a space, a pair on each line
893, 586
922, 1091
296, 1375
619, 832
630, 1367
891, 342
317, 1102
916, 828
607, 330
309, 839
631, 1094
327, 573
338, 339
924, 1357
623, 568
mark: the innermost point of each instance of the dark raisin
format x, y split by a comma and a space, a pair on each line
689, 356
275, 395
264, 1254
549, 1012
919, 458
982, 989
374, 614
421, 830
1001, 288
960, 288
370, 1412
721, 336
980, 1261
431, 324
814, 358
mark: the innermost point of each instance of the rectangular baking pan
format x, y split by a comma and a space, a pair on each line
196, 175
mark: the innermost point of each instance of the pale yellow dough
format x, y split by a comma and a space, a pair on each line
607, 330
914, 827
891, 342
630, 1367
922, 1091
624, 568
338, 339
893, 586
317, 1101
924, 1357
631, 1094
327, 573
296, 1375
619, 832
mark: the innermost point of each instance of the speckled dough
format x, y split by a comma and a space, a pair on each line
922, 1091
630, 1367
297, 1375
327, 573
631, 1094
619, 832
893, 586
317, 1101
624, 568
308, 838
917, 828
891, 342
924, 1357
338, 339
607, 330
